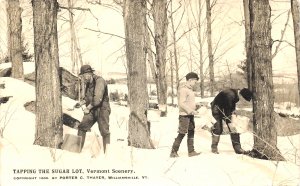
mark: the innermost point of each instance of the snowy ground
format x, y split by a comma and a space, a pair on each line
20, 160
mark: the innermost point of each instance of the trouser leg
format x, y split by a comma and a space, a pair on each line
82, 134
236, 144
216, 130
176, 145
103, 125
87, 122
190, 141
214, 143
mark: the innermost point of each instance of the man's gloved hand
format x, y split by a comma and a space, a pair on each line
86, 110
77, 105
194, 112
232, 128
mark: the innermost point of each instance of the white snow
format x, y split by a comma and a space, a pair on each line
28, 67
154, 165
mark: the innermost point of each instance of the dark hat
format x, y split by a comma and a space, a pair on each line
246, 93
192, 75
85, 69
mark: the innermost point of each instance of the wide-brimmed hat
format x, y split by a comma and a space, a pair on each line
85, 69
192, 75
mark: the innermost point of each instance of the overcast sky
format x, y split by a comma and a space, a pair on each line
104, 52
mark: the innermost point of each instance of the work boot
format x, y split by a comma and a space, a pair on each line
191, 150
194, 153
176, 145
174, 154
106, 141
76, 125
236, 144
82, 134
214, 144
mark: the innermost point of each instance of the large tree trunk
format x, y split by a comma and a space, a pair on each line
295, 5
209, 44
247, 42
265, 135
15, 38
161, 32
49, 131
135, 30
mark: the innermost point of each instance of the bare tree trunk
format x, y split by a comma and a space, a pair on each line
176, 68
209, 44
150, 58
161, 39
265, 134
247, 43
135, 30
295, 5
174, 47
8, 33
15, 38
73, 59
200, 50
78, 50
172, 77
75, 49
49, 131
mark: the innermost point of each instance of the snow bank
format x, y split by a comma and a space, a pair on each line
151, 166
28, 67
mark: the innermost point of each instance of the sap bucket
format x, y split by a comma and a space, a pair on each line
72, 143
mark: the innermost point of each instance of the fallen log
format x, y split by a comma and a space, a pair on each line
68, 120
285, 125
4, 99
69, 82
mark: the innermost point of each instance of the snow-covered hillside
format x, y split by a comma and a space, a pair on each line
25, 164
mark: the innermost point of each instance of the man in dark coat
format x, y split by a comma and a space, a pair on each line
222, 108
97, 105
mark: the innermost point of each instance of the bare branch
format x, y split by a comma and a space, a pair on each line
185, 32
98, 2
74, 8
279, 15
180, 20
282, 35
173, 12
284, 41
116, 52
150, 31
104, 33
213, 4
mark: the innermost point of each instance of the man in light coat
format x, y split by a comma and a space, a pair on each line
187, 110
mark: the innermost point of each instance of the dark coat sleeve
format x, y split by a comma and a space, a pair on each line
226, 101
100, 86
